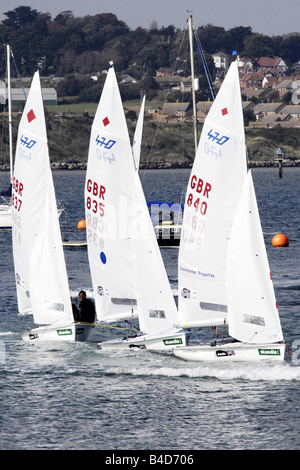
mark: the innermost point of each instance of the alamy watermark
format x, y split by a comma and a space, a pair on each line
296, 93
2, 352
296, 352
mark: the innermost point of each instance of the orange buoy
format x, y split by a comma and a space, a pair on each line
81, 224
280, 240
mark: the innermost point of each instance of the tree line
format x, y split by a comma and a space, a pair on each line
69, 45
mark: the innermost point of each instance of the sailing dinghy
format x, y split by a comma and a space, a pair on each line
223, 270
40, 270
128, 275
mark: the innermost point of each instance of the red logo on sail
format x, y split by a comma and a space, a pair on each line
106, 121
224, 111
30, 116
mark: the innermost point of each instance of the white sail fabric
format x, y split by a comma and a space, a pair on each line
127, 271
156, 305
252, 310
137, 140
41, 278
108, 198
213, 192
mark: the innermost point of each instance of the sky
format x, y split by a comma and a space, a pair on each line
270, 17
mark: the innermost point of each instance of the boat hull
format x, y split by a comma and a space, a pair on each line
150, 342
168, 235
71, 332
5, 216
232, 352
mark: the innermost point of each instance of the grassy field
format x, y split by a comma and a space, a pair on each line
74, 108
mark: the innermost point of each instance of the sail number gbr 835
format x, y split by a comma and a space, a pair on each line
97, 192
95, 197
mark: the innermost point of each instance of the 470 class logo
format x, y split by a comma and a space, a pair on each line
26, 142
107, 144
215, 137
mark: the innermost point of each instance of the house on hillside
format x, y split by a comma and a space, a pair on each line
246, 69
18, 96
293, 110
277, 120
221, 60
265, 109
202, 109
169, 83
251, 80
186, 85
270, 82
248, 105
275, 65
244, 62
284, 85
251, 93
127, 80
164, 72
176, 110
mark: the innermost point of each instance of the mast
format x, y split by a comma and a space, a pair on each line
193, 81
9, 114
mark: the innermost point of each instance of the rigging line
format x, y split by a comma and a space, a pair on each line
204, 65
13, 57
167, 92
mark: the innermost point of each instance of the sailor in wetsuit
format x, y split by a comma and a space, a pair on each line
86, 308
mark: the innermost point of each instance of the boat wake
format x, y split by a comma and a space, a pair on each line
270, 373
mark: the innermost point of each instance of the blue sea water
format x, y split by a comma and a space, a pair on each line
75, 396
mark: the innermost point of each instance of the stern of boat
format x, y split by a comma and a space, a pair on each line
150, 342
71, 332
232, 352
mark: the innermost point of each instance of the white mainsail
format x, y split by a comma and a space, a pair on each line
213, 192
41, 278
108, 196
126, 266
252, 309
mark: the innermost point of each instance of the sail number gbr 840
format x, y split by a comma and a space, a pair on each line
196, 208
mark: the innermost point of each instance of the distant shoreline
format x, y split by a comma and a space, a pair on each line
160, 166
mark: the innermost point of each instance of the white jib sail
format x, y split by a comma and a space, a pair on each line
41, 278
156, 305
252, 310
137, 140
213, 192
